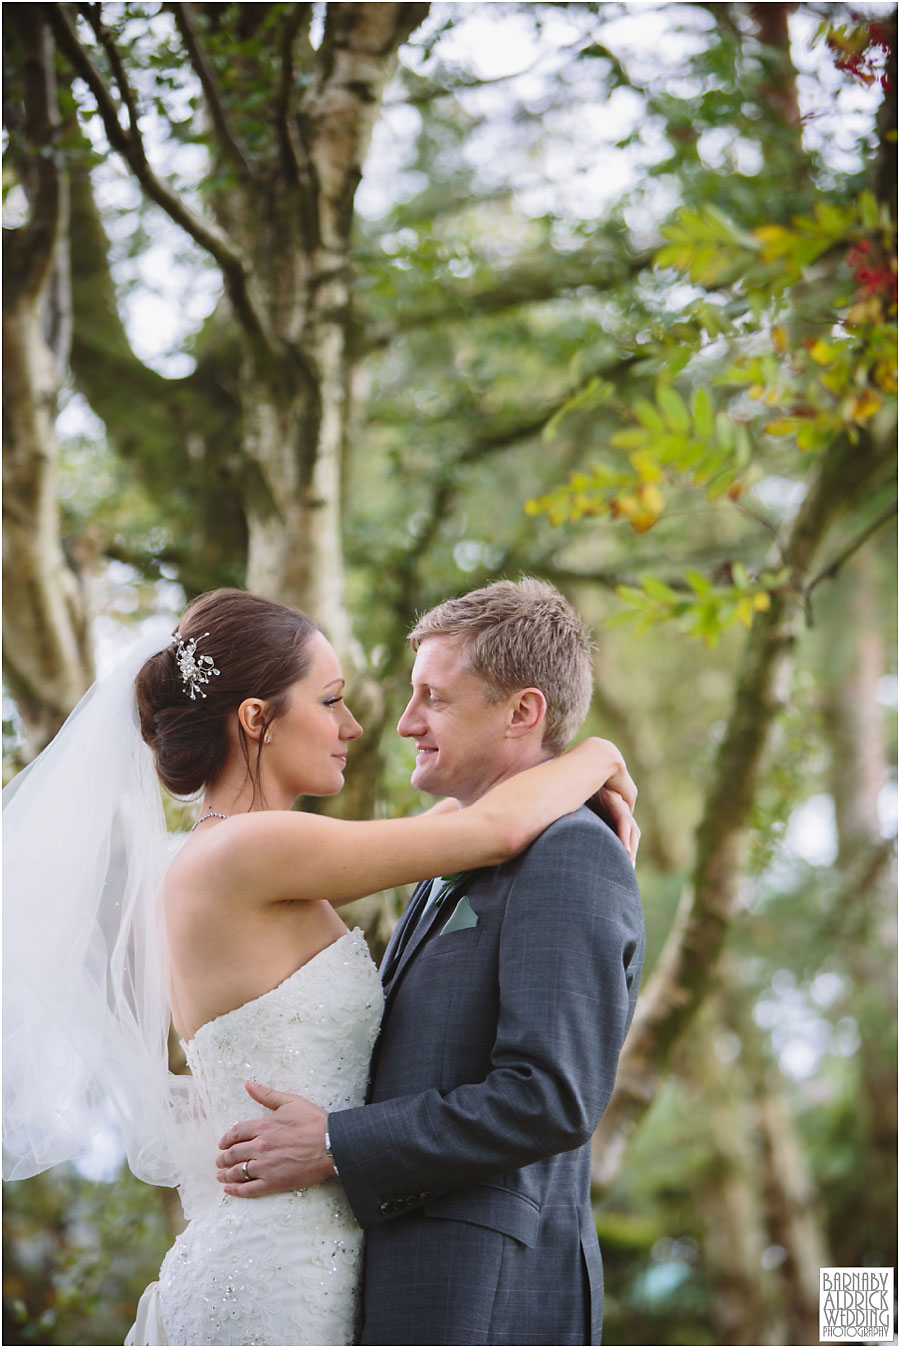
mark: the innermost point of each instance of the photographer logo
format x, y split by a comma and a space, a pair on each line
856, 1305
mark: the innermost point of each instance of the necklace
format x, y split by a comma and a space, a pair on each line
213, 814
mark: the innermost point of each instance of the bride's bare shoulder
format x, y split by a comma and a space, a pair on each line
224, 854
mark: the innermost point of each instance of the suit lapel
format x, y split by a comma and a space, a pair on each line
404, 926
409, 943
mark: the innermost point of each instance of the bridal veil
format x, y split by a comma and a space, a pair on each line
85, 967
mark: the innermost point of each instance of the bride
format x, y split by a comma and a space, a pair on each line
236, 938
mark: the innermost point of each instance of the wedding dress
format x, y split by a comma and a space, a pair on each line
284, 1268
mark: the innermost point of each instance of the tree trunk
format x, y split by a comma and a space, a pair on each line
744, 1293
789, 1202
866, 924
296, 385
280, 232
792, 1215
47, 651
771, 23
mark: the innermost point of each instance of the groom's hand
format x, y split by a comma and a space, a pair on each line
284, 1150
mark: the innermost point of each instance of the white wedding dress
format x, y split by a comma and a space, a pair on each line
285, 1268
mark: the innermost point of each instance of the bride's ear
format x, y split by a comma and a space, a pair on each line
251, 717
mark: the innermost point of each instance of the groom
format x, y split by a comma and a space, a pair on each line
508, 992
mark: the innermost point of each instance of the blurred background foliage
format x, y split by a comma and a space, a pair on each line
622, 313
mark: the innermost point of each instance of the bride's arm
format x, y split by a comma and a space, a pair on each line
281, 855
445, 806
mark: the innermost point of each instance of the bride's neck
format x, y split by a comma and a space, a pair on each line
232, 793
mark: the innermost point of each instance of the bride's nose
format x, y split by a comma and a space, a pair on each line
351, 729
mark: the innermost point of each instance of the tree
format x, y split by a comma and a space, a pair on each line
838, 402
48, 656
286, 135
285, 127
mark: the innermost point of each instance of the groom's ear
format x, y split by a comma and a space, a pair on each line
527, 711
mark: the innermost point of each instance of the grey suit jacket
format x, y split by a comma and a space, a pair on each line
470, 1167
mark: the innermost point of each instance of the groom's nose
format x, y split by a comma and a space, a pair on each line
410, 722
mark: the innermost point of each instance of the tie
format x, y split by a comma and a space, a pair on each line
436, 887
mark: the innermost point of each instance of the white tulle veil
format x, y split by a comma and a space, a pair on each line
85, 966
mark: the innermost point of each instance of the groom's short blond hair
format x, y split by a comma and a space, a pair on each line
516, 635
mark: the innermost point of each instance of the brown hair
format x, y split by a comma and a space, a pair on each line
260, 648
521, 635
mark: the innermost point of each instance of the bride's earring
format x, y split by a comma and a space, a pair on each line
268, 739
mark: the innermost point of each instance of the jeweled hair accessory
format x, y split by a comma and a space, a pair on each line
195, 669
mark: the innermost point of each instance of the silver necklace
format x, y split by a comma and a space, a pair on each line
213, 814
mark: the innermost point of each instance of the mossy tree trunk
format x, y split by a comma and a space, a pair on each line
46, 648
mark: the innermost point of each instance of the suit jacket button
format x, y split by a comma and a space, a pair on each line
386, 1207
423, 1198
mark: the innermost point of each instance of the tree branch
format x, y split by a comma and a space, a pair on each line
831, 570
524, 285
129, 144
357, 56
32, 246
220, 119
180, 437
423, 91
532, 422
293, 157
92, 13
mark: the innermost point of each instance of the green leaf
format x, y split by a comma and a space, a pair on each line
698, 582
647, 414
627, 615
673, 408
632, 438
632, 595
725, 431
868, 210
703, 412
658, 589
675, 255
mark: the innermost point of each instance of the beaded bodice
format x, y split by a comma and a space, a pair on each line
312, 1035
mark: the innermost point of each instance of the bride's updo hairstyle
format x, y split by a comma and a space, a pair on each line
258, 648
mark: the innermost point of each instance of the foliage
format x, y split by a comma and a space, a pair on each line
805, 318
76, 1256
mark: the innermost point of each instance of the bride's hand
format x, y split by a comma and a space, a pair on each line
615, 810
618, 780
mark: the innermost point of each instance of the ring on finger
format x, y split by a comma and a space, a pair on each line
245, 1171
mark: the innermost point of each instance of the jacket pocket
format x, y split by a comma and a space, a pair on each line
504, 1210
444, 943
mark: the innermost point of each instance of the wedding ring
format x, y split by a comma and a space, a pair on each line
244, 1171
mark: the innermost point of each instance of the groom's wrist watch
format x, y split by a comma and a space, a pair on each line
328, 1152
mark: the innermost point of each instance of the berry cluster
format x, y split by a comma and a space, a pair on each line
862, 51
